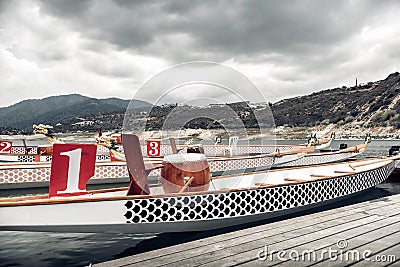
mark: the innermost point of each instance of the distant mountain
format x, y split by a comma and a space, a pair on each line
61, 110
375, 104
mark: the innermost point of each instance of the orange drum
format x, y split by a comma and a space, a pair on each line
179, 168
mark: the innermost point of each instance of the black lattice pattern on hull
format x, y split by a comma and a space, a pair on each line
26, 158
249, 202
100, 157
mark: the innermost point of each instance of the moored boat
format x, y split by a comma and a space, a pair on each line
37, 175
20, 154
233, 148
33, 153
395, 176
195, 203
14, 175
315, 158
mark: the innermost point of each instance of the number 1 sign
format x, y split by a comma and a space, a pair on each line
72, 166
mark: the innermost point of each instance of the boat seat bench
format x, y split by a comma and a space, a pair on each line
345, 172
296, 180
321, 175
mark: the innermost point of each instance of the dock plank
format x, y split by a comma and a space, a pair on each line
232, 251
219, 242
356, 239
248, 241
248, 252
380, 257
241, 247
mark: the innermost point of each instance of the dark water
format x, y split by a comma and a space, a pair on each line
56, 249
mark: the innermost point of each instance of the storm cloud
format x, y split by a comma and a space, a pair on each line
109, 48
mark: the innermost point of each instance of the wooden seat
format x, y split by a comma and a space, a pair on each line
295, 180
264, 184
152, 166
344, 172
321, 175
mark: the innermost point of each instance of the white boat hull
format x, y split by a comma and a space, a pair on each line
176, 226
188, 212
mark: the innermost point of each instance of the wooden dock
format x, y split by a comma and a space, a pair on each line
361, 234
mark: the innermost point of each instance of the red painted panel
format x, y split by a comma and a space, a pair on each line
5, 146
71, 168
153, 148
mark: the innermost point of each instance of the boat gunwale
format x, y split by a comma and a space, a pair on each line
44, 200
34, 165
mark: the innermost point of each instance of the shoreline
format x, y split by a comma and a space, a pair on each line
278, 133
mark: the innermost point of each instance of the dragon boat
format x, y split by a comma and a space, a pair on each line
315, 158
24, 153
15, 176
156, 148
187, 198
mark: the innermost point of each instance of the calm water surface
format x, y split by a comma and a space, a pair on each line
56, 249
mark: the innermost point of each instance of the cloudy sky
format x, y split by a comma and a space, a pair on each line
109, 48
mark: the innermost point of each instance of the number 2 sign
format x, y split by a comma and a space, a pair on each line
5, 146
153, 148
72, 166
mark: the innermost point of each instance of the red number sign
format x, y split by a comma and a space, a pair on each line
153, 148
5, 146
72, 166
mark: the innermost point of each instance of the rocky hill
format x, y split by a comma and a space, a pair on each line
374, 104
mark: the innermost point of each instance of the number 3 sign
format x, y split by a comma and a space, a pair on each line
72, 166
153, 148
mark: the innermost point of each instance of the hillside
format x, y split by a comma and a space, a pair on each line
64, 111
371, 105
374, 107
